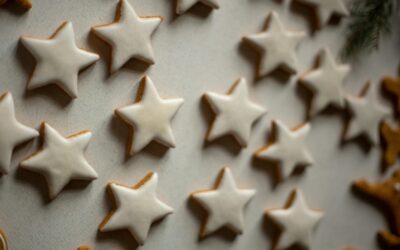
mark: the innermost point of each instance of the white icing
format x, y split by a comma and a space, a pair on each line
129, 37
137, 209
61, 159
12, 132
298, 222
151, 118
290, 148
367, 116
235, 113
326, 82
58, 60
183, 5
277, 46
326, 8
224, 205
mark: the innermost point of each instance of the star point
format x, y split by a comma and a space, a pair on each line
129, 36
224, 204
12, 132
61, 159
137, 208
58, 60
150, 117
277, 46
235, 113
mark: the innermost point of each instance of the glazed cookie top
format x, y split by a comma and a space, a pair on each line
137, 208
326, 82
12, 132
61, 159
277, 46
150, 116
224, 203
129, 36
235, 112
58, 60
297, 221
289, 148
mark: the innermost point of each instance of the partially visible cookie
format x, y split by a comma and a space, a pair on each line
26, 4
387, 193
392, 85
3, 241
84, 248
184, 5
391, 140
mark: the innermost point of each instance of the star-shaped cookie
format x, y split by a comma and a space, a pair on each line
150, 117
392, 85
326, 8
235, 113
184, 5
391, 139
276, 46
58, 60
289, 148
137, 208
12, 132
297, 221
326, 82
61, 159
224, 204
367, 115
386, 192
129, 36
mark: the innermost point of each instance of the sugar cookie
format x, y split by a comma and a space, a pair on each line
235, 113
224, 204
129, 36
288, 149
326, 83
61, 159
58, 60
276, 46
137, 208
150, 117
297, 221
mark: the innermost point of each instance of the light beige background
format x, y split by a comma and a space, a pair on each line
194, 53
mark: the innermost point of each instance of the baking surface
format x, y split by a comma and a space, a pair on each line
196, 52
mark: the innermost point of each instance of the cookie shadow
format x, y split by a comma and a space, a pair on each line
198, 10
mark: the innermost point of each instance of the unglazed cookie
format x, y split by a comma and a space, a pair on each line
224, 204
129, 36
61, 159
297, 221
367, 115
150, 117
26, 4
84, 248
12, 132
137, 208
326, 83
58, 60
386, 192
326, 8
391, 139
392, 85
235, 113
183, 5
276, 46
289, 148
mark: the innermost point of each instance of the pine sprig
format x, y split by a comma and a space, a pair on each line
370, 19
